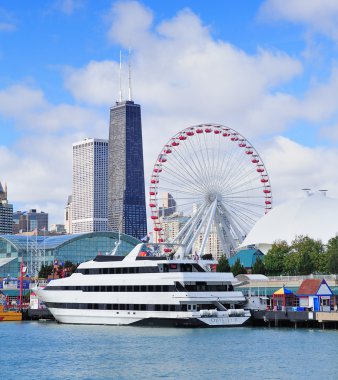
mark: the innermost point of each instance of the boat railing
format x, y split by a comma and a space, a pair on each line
333, 277
41, 283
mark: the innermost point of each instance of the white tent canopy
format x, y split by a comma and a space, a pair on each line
315, 215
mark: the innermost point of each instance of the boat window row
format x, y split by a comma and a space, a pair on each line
117, 288
178, 287
116, 306
176, 267
124, 270
204, 287
172, 267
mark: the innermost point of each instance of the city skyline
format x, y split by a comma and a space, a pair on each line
265, 68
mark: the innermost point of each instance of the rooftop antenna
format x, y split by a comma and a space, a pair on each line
120, 91
129, 76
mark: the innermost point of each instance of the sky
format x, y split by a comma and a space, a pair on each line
266, 68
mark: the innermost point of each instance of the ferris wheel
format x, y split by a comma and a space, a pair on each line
207, 180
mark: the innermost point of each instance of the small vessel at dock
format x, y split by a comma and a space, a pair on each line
10, 315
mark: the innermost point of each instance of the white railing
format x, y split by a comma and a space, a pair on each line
300, 278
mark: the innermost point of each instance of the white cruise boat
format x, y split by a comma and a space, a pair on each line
146, 290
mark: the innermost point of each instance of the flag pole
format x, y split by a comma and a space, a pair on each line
21, 280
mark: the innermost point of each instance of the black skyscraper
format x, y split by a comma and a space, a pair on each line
126, 196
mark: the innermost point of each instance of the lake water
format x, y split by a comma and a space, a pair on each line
47, 350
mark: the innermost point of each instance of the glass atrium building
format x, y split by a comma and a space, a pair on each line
39, 250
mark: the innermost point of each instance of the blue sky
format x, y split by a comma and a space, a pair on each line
266, 68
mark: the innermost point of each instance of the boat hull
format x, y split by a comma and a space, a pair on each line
103, 318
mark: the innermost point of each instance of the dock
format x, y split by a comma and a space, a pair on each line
295, 319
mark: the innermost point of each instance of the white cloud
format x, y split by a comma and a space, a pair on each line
293, 167
68, 7
317, 15
96, 83
178, 68
38, 166
7, 21
129, 22
36, 113
182, 76
7, 27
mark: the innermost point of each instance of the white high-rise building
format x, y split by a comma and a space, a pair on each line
89, 190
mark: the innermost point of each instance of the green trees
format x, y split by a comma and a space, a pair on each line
258, 267
274, 259
223, 265
306, 252
45, 271
238, 268
332, 255
303, 257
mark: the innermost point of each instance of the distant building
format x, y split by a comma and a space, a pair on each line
6, 212
168, 205
171, 225
58, 229
247, 258
68, 215
212, 247
89, 189
126, 192
30, 221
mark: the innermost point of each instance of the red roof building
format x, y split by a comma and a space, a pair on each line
315, 294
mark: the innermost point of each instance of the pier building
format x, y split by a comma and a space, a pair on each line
314, 215
39, 250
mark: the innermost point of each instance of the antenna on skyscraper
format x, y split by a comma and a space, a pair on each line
120, 72
129, 76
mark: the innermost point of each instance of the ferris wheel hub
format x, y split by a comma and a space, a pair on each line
212, 195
